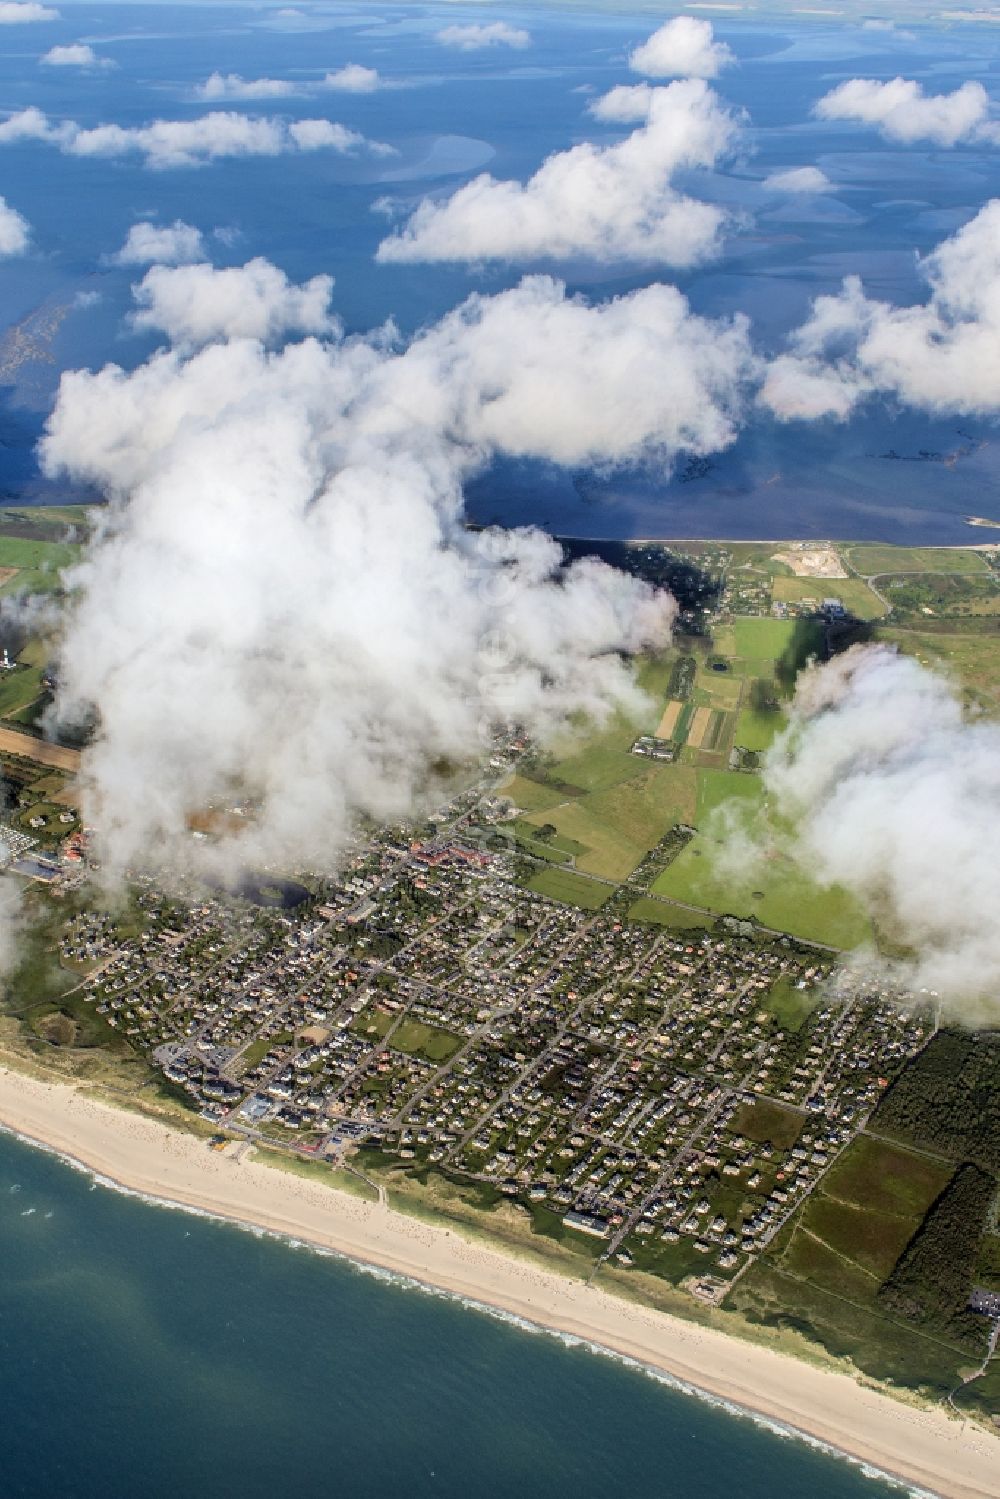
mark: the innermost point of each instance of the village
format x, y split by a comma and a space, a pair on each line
674, 1095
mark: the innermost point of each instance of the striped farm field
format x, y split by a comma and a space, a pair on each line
668, 722
699, 727
29, 748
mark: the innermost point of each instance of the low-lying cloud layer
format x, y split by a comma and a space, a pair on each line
682, 48
285, 605
612, 203
902, 112
938, 356
895, 794
15, 234
187, 143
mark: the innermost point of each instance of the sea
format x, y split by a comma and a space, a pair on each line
148, 1352
449, 115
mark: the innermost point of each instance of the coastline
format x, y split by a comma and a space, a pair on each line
923, 1447
785, 541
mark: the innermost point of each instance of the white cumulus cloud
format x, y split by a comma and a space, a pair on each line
233, 86
682, 48
328, 135
902, 112
625, 104
186, 143
938, 356
798, 181
612, 203
895, 794
353, 79
284, 603
197, 304
161, 244
15, 232
76, 55
474, 37
23, 12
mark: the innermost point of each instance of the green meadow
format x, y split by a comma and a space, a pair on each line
774, 892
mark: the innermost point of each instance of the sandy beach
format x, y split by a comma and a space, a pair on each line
925, 1447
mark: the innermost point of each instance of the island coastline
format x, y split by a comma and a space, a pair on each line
920, 1446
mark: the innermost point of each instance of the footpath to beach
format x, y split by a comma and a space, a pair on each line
926, 1447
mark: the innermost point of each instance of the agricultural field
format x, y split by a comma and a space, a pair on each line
643, 807
775, 893
37, 564
825, 1269
572, 889
600, 761
970, 656
871, 560
594, 808
32, 553
761, 639
887, 1179
45, 522
530, 795
698, 730
13, 742
607, 806
667, 913
865, 1213
718, 788
756, 729
856, 597
717, 689
18, 689
608, 832
667, 725
542, 843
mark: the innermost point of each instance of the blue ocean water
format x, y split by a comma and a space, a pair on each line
449, 115
150, 1352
